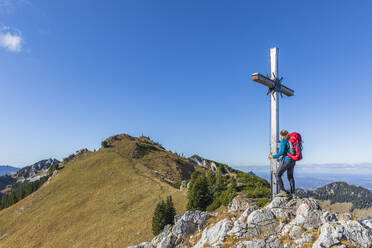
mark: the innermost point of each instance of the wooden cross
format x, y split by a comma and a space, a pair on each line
275, 88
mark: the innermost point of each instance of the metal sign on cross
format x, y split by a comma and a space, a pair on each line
275, 88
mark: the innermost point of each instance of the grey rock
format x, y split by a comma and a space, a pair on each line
183, 185
329, 235
188, 185
239, 228
277, 207
367, 223
215, 234
239, 203
277, 202
328, 218
142, 245
355, 233
295, 232
305, 238
271, 242
260, 218
308, 215
185, 224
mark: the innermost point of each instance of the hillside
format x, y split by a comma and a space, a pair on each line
341, 192
29, 173
104, 198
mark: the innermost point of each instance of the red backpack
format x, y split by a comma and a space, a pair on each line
295, 146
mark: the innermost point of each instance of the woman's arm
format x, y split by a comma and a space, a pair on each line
283, 143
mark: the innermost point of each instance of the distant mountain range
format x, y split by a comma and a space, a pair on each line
28, 173
7, 170
312, 177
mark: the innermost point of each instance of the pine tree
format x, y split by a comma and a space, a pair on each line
199, 195
170, 211
211, 178
220, 182
159, 218
11, 199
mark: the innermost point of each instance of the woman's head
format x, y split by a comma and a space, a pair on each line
284, 134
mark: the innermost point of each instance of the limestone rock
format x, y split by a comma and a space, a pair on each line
215, 234
185, 225
329, 235
239, 228
142, 245
271, 242
296, 221
328, 218
367, 223
239, 203
308, 215
183, 185
355, 233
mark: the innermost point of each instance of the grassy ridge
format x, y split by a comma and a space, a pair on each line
107, 198
103, 199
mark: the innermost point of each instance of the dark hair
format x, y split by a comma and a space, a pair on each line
284, 133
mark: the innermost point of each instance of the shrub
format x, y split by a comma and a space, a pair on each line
104, 144
261, 202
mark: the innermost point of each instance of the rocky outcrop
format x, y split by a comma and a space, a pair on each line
209, 164
240, 203
36, 171
174, 236
283, 223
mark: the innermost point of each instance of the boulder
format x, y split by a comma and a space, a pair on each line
357, 234
308, 215
328, 218
329, 235
367, 223
184, 225
214, 235
239, 228
239, 203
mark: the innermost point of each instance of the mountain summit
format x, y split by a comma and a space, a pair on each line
104, 198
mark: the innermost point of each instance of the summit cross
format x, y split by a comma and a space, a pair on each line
275, 88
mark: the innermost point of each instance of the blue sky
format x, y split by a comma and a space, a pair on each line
76, 72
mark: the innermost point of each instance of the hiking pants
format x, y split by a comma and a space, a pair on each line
289, 167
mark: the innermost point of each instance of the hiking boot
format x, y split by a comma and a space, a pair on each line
282, 193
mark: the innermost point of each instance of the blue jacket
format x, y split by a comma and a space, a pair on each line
284, 149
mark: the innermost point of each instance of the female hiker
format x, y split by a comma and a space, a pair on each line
285, 164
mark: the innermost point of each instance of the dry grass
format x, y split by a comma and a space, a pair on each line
339, 208
348, 244
105, 199
285, 239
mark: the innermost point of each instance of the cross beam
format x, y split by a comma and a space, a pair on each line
275, 87
271, 84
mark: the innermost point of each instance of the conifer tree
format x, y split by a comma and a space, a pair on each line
170, 211
220, 182
211, 178
199, 196
159, 218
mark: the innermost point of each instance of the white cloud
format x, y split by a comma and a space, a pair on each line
11, 40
